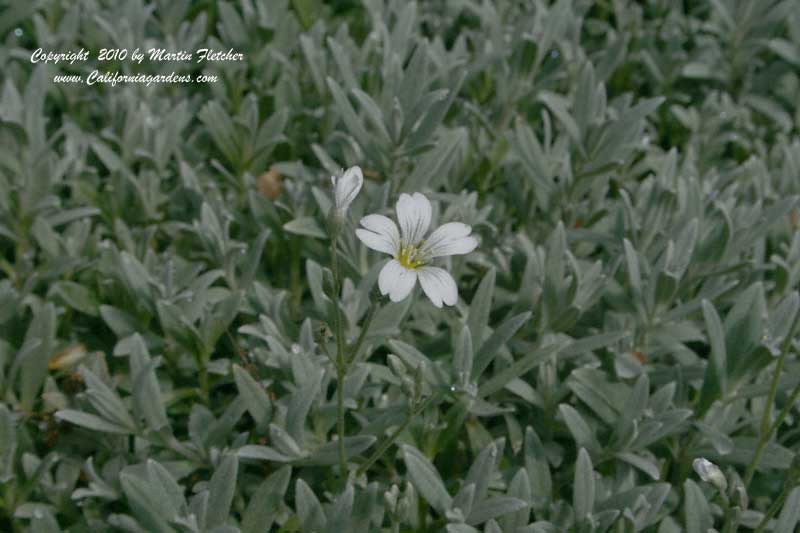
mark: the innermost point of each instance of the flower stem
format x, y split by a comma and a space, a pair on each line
377, 454
729, 522
776, 506
768, 429
341, 370
340, 419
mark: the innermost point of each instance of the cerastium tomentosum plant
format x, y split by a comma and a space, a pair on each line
633, 304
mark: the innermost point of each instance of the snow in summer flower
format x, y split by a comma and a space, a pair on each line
346, 188
412, 252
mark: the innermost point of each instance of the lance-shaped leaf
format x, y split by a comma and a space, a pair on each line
221, 490
265, 503
309, 510
254, 396
33, 367
715, 380
584, 489
146, 391
496, 340
480, 307
426, 479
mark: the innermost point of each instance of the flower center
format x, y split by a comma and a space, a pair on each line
409, 257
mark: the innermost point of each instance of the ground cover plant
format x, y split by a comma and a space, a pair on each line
510, 266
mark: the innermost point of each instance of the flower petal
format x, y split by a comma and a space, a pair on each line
438, 285
396, 280
380, 234
347, 187
452, 238
414, 215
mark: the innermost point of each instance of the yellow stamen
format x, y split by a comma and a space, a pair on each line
409, 257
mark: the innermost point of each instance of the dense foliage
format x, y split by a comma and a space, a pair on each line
168, 307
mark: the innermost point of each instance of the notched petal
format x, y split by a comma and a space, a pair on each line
414, 215
452, 238
380, 234
438, 285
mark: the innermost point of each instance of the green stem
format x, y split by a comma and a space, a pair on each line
766, 429
422, 508
377, 454
341, 370
683, 461
340, 419
776, 506
729, 523
773, 389
786, 408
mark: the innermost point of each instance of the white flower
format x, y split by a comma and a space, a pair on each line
710, 473
346, 188
412, 252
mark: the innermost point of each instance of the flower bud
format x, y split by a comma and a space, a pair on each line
710, 473
345, 189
